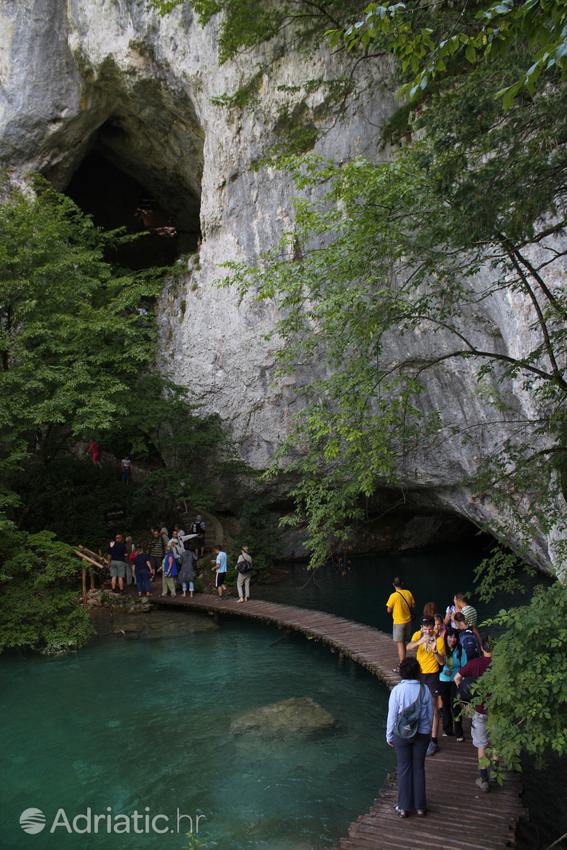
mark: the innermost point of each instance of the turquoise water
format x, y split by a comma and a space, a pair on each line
134, 724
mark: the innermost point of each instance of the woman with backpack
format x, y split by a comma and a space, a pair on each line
243, 568
408, 730
455, 658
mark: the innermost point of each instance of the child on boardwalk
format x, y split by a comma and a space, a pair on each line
142, 571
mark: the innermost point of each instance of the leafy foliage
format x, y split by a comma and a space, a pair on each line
39, 589
259, 531
437, 40
77, 350
525, 688
71, 339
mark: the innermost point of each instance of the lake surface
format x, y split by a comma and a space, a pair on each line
359, 592
144, 725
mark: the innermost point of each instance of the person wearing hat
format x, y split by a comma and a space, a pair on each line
431, 658
243, 568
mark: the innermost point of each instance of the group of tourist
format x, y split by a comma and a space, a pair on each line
176, 555
450, 655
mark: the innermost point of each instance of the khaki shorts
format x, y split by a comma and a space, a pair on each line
402, 632
479, 732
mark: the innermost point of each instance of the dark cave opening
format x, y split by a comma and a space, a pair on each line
116, 199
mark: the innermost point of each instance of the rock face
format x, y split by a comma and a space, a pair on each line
295, 717
112, 76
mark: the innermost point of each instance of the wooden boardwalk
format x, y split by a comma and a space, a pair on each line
460, 816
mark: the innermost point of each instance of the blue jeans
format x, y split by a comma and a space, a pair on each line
143, 582
410, 757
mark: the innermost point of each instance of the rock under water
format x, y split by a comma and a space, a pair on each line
294, 717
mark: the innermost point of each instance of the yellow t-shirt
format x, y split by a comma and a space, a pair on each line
425, 657
400, 611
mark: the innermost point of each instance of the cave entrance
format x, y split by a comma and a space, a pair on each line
143, 173
116, 199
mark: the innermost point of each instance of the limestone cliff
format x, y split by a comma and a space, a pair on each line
113, 75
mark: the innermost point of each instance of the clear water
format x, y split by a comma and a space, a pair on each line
360, 591
146, 723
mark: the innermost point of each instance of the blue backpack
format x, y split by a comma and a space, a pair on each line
407, 721
470, 644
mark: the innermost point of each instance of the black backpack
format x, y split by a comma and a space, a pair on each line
465, 688
244, 566
407, 721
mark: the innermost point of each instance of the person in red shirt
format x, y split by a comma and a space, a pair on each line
479, 732
93, 449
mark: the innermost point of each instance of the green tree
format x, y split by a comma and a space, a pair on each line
395, 249
77, 355
39, 588
525, 688
444, 39
71, 338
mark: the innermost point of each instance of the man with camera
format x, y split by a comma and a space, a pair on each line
431, 657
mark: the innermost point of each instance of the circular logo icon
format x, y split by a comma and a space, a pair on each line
32, 821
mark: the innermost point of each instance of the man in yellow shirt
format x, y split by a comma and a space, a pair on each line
431, 657
400, 605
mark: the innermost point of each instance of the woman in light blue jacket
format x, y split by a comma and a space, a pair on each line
410, 752
455, 658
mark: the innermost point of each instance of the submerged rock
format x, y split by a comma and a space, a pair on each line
160, 625
298, 716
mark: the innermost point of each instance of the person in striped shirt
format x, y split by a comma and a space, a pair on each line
469, 613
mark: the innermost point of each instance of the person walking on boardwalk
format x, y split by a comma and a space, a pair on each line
243, 568
400, 605
188, 572
475, 669
117, 560
431, 658
455, 658
220, 568
142, 571
169, 573
408, 730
